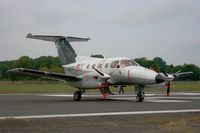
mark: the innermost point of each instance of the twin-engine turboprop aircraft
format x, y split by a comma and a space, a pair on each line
91, 73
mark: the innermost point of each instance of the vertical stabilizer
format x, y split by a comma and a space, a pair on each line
66, 53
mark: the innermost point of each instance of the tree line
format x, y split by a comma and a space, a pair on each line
43, 63
49, 63
159, 64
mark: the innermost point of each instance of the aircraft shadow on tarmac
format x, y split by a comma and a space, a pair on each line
82, 100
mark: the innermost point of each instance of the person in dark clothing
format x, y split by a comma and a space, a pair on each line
109, 91
121, 89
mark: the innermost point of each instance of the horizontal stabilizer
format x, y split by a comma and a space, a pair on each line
76, 39
56, 38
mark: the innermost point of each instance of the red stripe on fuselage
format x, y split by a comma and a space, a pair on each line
129, 78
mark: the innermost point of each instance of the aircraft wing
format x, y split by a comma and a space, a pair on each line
182, 74
45, 74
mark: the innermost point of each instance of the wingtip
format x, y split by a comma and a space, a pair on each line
14, 70
29, 35
10, 71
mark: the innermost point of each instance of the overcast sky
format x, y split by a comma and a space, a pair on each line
129, 28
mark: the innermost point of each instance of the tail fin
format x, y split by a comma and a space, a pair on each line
66, 53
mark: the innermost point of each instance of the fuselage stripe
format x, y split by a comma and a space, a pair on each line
129, 78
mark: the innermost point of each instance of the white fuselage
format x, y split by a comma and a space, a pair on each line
121, 71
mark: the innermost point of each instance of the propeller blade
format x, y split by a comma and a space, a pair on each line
164, 73
98, 71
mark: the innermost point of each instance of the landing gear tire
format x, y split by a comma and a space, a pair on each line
77, 96
140, 93
139, 98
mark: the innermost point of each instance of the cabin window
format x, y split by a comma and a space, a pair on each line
93, 65
100, 66
106, 65
114, 64
88, 66
82, 65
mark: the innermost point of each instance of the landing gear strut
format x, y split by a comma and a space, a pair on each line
77, 95
140, 93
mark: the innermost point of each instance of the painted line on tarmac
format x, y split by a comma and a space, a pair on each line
167, 101
101, 114
152, 100
179, 97
187, 93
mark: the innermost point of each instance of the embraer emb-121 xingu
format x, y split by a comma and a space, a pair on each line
91, 73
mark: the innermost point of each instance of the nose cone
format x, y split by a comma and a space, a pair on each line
159, 78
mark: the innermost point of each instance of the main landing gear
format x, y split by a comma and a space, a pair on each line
78, 94
140, 93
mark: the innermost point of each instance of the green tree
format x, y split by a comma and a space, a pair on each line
24, 62
170, 68
160, 63
55, 69
46, 61
147, 63
49, 63
4, 67
191, 67
142, 61
1, 72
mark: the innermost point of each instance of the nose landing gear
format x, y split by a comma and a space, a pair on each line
140, 93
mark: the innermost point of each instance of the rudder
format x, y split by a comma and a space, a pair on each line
66, 53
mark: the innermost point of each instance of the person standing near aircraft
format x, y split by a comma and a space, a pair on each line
109, 91
168, 87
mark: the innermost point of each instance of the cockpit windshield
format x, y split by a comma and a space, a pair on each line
114, 64
127, 62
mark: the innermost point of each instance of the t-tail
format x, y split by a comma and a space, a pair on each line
66, 53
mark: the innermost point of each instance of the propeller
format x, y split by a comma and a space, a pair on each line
104, 76
164, 73
104, 86
170, 77
98, 71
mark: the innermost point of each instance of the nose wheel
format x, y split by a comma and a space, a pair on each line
77, 96
139, 98
140, 93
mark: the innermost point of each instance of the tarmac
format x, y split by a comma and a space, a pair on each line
117, 113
